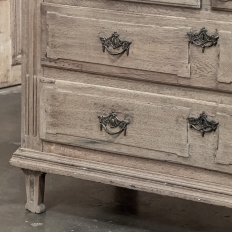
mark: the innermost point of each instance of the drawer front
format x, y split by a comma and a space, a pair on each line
71, 112
158, 50
225, 5
154, 48
178, 3
158, 127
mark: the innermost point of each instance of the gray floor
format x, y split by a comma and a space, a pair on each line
83, 206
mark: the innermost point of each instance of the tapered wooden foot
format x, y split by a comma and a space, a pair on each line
35, 184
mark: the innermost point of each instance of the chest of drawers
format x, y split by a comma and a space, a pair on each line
133, 93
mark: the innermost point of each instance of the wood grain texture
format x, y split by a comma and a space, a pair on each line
162, 82
158, 127
16, 28
169, 184
225, 58
154, 48
163, 168
70, 113
9, 75
202, 68
178, 3
31, 69
225, 5
54, 74
205, 13
35, 185
223, 156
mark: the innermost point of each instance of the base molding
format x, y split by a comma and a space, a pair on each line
169, 185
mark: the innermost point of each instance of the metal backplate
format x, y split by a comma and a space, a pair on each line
202, 124
115, 43
203, 38
112, 122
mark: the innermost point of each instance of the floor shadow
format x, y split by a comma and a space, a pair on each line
125, 201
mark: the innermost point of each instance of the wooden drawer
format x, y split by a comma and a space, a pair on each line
225, 5
10, 43
158, 126
70, 84
154, 48
160, 49
178, 3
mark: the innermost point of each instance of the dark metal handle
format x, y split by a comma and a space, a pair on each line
203, 38
113, 122
115, 43
202, 124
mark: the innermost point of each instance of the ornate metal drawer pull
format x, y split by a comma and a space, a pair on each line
113, 122
203, 39
116, 43
202, 124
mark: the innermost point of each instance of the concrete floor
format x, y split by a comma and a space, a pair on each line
84, 206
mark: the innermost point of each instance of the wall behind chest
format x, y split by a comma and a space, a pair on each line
10, 43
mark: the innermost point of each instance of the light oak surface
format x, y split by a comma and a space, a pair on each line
225, 5
179, 3
159, 44
68, 81
10, 45
147, 41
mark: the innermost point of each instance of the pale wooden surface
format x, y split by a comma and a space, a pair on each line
204, 13
16, 27
158, 127
159, 45
222, 5
225, 59
179, 3
188, 183
10, 71
151, 130
84, 45
68, 81
31, 70
35, 185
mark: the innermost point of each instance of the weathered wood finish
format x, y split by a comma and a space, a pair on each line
159, 52
178, 3
147, 40
10, 49
68, 81
225, 5
31, 71
69, 114
173, 180
225, 58
35, 185
158, 127
16, 28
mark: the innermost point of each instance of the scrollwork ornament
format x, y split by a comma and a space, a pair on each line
202, 124
112, 122
115, 43
203, 39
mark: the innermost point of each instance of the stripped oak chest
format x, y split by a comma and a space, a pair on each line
132, 93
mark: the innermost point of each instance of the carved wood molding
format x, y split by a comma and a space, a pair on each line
225, 5
171, 185
178, 3
31, 69
16, 26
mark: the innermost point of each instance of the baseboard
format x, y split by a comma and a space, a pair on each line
169, 185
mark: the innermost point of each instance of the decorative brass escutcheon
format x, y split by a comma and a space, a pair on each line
113, 122
202, 124
203, 38
115, 43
